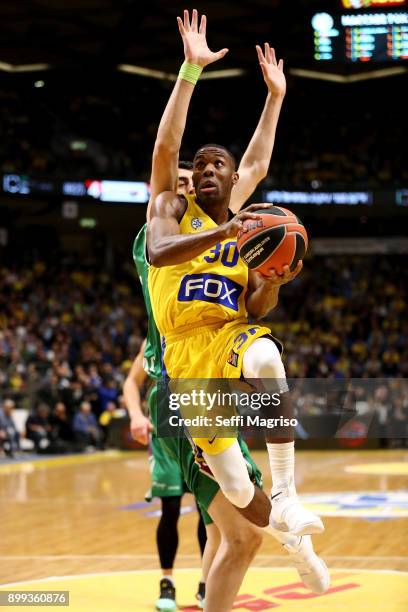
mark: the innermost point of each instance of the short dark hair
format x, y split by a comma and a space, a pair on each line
212, 145
185, 165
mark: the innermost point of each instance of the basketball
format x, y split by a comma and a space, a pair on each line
277, 239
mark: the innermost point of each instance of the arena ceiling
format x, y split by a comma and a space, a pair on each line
101, 34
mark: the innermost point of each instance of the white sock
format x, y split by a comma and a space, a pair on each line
282, 464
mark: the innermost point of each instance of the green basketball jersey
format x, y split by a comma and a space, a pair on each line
152, 354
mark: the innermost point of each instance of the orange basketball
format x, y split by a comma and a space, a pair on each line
277, 239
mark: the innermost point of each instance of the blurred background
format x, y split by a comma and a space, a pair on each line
82, 90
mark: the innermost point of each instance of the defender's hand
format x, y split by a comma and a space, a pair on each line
276, 280
196, 50
140, 427
272, 70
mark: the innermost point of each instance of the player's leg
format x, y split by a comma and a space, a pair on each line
239, 543
167, 544
205, 545
201, 532
262, 360
167, 533
230, 468
211, 547
231, 473
168, 485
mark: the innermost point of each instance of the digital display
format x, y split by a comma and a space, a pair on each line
401, 197
371, 4
118, 191
361, 37
126, 192
74, 188
16, 183
318, 197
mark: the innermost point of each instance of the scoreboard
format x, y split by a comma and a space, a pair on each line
352, 37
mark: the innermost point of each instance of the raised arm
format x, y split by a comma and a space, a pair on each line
263, 293
173, 122
140, 426
255, 162
167, 247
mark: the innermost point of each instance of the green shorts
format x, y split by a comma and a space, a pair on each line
190, 463
167, 477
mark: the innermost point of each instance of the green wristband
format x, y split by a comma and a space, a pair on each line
190, 72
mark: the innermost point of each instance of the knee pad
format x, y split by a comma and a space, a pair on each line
262, 360
230, 471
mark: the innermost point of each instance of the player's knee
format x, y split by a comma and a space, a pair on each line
231, 473
245, 542
262, 360
239, 492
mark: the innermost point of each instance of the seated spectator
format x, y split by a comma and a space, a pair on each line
62, 434
9, 436
87, 431
112, 411
398, 424
108, 393
38, 428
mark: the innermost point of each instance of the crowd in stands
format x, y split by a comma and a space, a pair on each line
324, 140
68, 335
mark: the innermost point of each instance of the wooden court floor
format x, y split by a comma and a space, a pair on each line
86, 514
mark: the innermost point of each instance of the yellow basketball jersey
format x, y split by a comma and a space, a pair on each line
209, 288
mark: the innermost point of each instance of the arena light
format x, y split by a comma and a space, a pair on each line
147, 72
316, 74
377, 74
6, 67
351, 78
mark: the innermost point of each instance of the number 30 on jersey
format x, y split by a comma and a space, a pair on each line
227, 253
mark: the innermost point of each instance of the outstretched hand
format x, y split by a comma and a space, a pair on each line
272, 70
196, 50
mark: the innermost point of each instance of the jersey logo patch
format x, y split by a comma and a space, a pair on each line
210, 288
196, 223
233, 359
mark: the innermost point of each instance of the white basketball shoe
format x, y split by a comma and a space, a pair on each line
288, 514
312, 569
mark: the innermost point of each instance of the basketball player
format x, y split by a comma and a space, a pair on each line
176, 238
239, 540
167, 478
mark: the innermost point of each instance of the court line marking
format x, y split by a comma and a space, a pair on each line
180, 557
188, 569
67, 460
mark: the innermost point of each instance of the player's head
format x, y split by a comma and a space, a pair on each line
185, 178
214, 173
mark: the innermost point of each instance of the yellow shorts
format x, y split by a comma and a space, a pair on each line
213, 351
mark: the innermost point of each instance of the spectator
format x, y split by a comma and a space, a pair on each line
108, 393
9, 436
88, 433
112, 411
38, 428
62, 434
